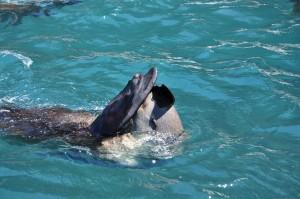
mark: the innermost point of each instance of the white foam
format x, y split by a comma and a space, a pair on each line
25, 60
211, 2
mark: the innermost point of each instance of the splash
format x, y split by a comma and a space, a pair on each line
25, 60
139, 148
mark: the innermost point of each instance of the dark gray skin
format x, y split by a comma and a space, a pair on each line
123, 126
74, 126
122, 107
15, 12
296, 8
46, 123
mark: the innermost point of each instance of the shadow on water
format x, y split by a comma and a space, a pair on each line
12, 13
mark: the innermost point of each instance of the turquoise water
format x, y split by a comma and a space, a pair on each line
233, 66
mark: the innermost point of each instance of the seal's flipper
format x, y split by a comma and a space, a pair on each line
119, 111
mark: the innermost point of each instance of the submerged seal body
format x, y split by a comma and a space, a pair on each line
141, 113
14, 11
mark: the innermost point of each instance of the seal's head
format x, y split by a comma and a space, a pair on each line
148, 107
157, 113
122, 108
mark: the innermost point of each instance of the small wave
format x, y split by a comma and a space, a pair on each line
231, 184
277, 49
212, 2
272, 48
18, 2
276, 72
287, 45
31, 1
13, 99
25, 60
275, 32
288, 96
8, 99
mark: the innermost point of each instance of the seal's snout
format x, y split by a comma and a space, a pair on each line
137, 76
122, 107
152, 74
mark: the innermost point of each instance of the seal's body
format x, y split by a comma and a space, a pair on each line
141, 114
296, 6
74, 126
15, 11
45, 123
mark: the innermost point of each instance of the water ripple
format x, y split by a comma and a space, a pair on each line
25, 60
280, 49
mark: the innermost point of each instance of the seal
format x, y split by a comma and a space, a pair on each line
140, 110
296, 8
15, 11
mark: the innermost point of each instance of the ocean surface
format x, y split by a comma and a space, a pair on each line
233, 66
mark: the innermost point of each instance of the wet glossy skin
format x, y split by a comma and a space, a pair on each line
122, 107
40, 124
151, 117
16, 12
74, 126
